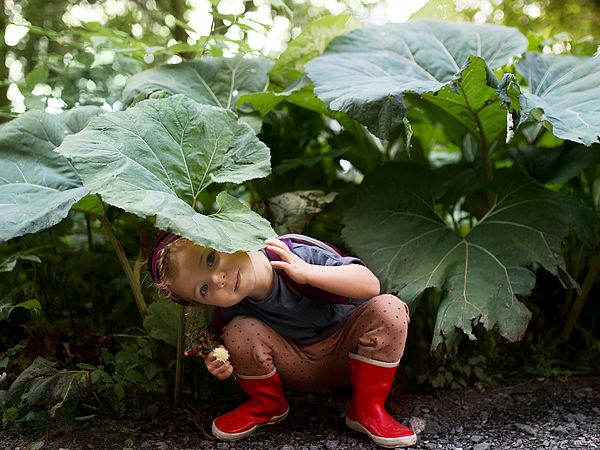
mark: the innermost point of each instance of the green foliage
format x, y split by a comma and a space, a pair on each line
159, 322
417, 57
483, 271
156, 158
132, 373
42, 387
561, 95
210, 81
313, 41
413, 249
458, 374
37, 186
32, 306
403, 147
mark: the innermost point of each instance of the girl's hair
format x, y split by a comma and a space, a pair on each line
162, 267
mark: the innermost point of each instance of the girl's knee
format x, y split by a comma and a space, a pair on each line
385, 330
243, 330
389, 309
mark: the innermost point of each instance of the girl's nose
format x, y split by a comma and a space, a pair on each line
219, 278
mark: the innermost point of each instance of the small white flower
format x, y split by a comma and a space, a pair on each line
221, 354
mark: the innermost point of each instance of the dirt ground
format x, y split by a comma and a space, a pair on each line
529, 415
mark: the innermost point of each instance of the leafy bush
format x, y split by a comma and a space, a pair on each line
456, 163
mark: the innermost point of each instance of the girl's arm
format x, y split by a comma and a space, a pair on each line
352, 280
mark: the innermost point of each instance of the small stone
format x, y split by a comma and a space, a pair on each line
222, 446
527, 428
546, 443
481, 446
160, 445
332, 444
476, 438
417, 424
560, 430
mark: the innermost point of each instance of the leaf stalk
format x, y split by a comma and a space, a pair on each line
589, 281
179, 363
133, 283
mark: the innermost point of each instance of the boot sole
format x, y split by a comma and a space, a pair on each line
235, 436
405, 441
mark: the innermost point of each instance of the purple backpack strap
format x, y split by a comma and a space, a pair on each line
307, 289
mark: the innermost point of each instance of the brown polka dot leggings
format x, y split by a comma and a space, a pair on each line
377, 330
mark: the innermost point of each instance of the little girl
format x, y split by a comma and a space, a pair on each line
278, 336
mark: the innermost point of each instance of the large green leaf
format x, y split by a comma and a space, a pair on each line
156, 158
468, 106
365, 73
394, 227
162, 321
210, 81
555, 165
563, 95
300, 93
37, 186
310, 43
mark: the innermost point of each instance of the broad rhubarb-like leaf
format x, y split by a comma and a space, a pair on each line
210, 81
468, 105
37, 186
310, 43
366, 72
156, 158
563, 94
394, 227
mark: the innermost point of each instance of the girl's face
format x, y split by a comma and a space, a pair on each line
207, 277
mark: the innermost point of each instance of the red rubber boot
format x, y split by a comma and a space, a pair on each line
267, 405
371, 384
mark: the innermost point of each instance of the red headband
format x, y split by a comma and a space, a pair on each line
163, 239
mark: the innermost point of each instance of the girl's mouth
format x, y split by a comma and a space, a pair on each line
237, 282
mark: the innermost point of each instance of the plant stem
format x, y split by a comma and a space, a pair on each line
484, 150
133, 284
93, 280
575, 270
62, 283
179, 363
589, 281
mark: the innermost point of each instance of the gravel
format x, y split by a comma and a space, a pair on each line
530, 415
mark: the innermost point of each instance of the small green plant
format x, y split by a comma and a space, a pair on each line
43, 394
132, 374
458, 373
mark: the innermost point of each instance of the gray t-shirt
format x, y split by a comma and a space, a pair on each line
293, 315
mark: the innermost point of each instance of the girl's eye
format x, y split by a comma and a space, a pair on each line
204, 289
211, 259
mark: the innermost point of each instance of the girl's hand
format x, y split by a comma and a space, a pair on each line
298, 269
221, 370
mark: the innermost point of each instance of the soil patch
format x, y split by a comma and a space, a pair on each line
528, 415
